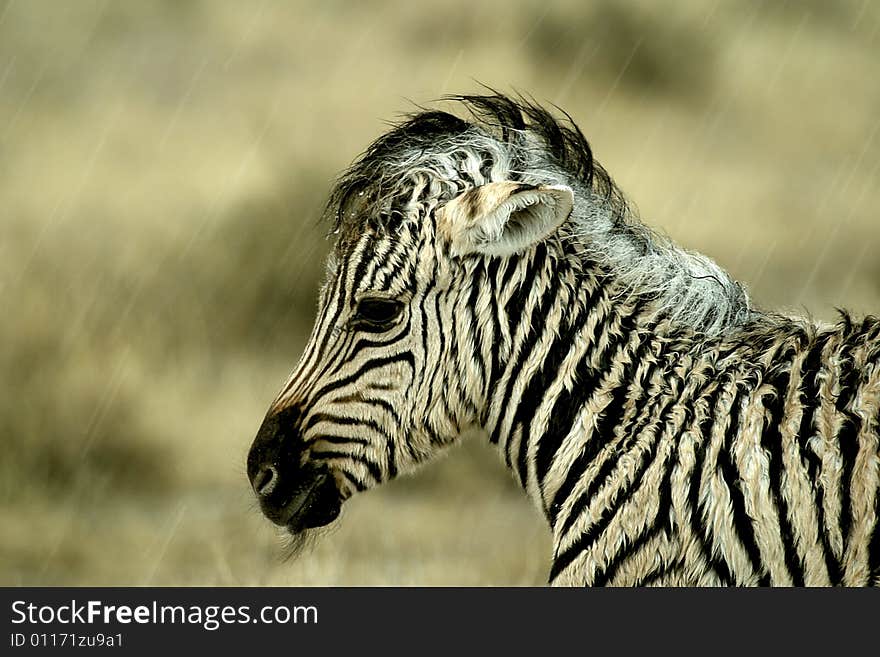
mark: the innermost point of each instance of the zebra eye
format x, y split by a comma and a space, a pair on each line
377, 312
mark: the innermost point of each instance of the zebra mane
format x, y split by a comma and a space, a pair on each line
432, 156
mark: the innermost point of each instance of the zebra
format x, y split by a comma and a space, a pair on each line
487, 272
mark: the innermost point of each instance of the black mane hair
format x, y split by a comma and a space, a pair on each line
513, 123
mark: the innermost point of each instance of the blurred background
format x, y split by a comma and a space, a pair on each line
162, 169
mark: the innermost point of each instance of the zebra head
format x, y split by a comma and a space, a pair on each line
448, 233
399, 360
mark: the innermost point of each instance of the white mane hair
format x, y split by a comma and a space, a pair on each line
434, 156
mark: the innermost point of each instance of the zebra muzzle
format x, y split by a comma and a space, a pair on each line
313, 501
291, 493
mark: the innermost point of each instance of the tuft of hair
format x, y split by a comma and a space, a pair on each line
432, 156
293, 545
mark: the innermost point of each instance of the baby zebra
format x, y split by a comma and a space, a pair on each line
487, 272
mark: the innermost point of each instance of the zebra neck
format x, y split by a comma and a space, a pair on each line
570, 346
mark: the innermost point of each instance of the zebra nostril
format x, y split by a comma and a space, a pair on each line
265, 480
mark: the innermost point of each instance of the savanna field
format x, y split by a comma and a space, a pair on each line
163, 167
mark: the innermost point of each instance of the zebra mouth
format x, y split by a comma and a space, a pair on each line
315, 504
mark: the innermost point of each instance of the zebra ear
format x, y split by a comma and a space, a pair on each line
503, 218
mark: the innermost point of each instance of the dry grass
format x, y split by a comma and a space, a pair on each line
161, 168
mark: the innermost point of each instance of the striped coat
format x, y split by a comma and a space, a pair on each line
748, 461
